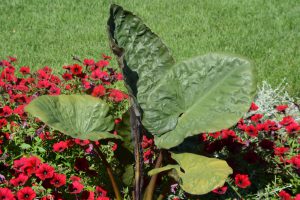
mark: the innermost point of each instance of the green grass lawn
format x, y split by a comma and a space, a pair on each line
48, 32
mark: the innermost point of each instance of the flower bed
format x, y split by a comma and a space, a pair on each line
38, 162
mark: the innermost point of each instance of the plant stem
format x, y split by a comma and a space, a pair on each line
136, 131
151, 186
109, 172
239, 195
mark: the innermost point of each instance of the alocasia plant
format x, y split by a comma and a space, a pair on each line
171, 101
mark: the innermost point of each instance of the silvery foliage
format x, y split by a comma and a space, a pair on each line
268, 98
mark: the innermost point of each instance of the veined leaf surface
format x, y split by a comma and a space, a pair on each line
203, 94
197, 174
79, 116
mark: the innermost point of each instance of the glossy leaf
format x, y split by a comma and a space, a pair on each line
207, 94
79, 116
198, 174
203, 94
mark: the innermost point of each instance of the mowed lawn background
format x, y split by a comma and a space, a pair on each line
49, 32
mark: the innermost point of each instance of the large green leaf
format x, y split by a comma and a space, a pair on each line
79, 116
206, 94
203, 94
198, 174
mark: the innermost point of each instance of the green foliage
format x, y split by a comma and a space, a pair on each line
203, 94
79, 116
197, 174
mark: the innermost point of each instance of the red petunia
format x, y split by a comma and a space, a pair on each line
106, 57
254, 107
242, 180
87, 195
3, 122
81, 164
20, 180
88, 62
6, 111
220, 190
6, 194
287, 120
76, 69
27, 193
98, 91
75, 187
43, 84
58, 180
256, 117
281, 108
117, 95
100, 191
24, 70
295, 161
292, 127
67, 76
81, 142
280, 150
44, 171
102, 63
54, 91
251, 131
284, 195
60, 146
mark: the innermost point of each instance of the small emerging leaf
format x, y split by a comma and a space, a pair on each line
198, 174
79, 116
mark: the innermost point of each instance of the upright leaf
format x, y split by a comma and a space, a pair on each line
79, 116
198, 174
203, 94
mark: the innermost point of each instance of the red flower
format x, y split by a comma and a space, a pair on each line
87, 195
75, 178
119, 76
295, 161
215, 134
253, 106
251, 131
102, 198
281, 108
220, 190
82, 142
287, 120
100, 191
76, 69
27, 193
3, 122
106, 57
284, 195
102, 63
6, 111
297, 197
281, 150
54, 90
98, 91
242, 180
67, 76
147, 142
30, 165
6, 194
58, 180
293, 127
44, 171
60, 146
81, 164
88, 62
43, 84
24, 70
263, 127
75, 187
20, 180
12, 59
256, 117
117, 95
